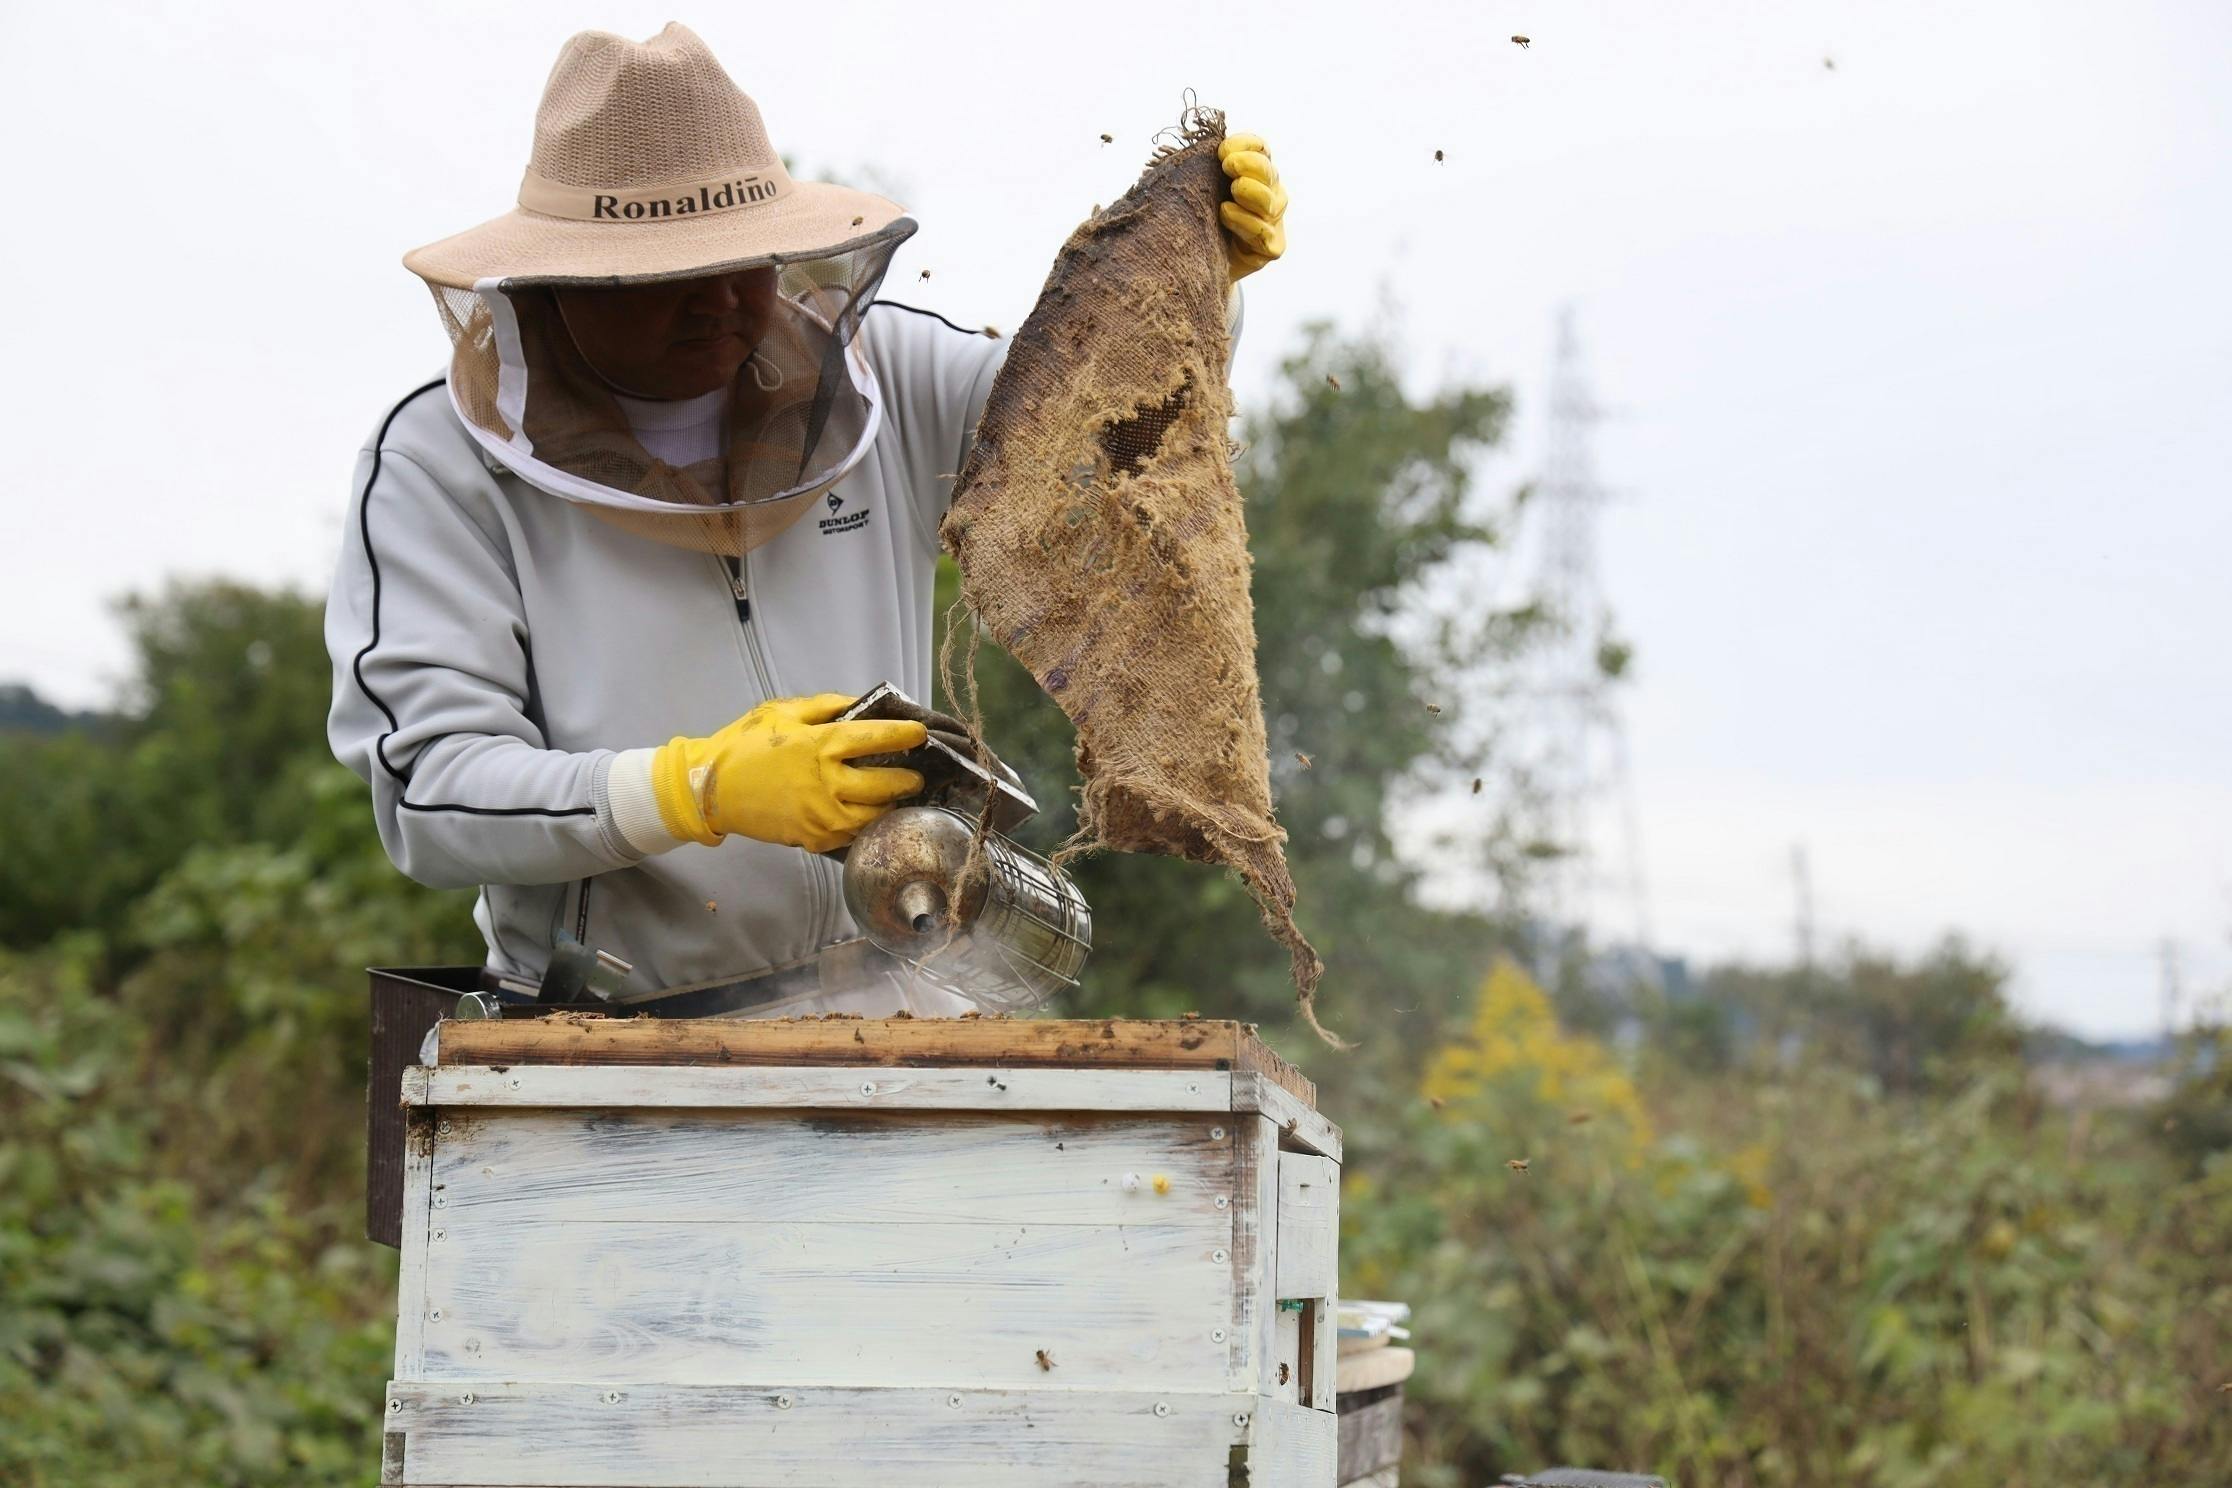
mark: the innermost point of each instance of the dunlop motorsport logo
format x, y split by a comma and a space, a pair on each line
850, 522
613, 208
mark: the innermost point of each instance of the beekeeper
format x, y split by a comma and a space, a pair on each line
606, 583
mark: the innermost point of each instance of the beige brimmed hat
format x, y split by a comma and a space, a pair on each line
650, 163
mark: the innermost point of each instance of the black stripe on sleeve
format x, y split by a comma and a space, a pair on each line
372, 560
918, 310
502, 810
356, 665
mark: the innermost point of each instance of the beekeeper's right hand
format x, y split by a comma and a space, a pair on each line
781, 773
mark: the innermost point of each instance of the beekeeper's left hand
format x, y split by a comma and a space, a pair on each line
1255, 218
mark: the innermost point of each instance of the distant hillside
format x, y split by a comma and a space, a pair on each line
2054, 1046
23, 711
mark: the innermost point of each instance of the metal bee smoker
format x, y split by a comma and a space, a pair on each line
1007, 937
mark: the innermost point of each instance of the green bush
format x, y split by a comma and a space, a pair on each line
159, 1330
1802, 1282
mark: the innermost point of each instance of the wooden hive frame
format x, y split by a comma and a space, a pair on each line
724, 1254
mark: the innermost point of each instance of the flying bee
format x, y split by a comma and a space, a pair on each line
1333, 382
1437, 157
1434, 708
1302, 759
1522, 42
1516, 1164
1108, 139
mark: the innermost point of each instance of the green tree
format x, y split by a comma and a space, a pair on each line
221, 731
231, 681
58, 797
1907, 1025
2194, 1119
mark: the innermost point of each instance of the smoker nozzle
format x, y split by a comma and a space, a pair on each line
1007, 932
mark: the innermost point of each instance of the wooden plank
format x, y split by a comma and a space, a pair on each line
1300, 1126
829, 1304
713, 1245
1290, 1447
1255, 1206
1285, 1379
594, 1435
1375, 1370
1371, 1438
1324, 1336
523, 1167
1137, 1043
866, 1088
420, 1130
1309, 1226
1356, 1400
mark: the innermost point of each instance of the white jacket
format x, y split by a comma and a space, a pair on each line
495, 648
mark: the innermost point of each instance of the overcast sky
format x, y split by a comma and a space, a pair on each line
1922, 360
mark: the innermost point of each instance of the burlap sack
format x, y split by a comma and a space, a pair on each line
1101, 539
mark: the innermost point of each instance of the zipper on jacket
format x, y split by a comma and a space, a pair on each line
820, 905
736, 587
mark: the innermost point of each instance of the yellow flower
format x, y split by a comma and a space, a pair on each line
1515, 1043
1748, 1166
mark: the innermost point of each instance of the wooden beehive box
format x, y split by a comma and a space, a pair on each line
649, 1254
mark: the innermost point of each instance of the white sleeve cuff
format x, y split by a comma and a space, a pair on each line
635, 808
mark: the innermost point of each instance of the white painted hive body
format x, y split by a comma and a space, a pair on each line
722, 1258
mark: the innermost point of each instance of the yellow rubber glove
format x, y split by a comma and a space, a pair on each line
779, 774
1255, 219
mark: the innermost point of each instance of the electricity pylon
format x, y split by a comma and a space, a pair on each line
1582, 773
